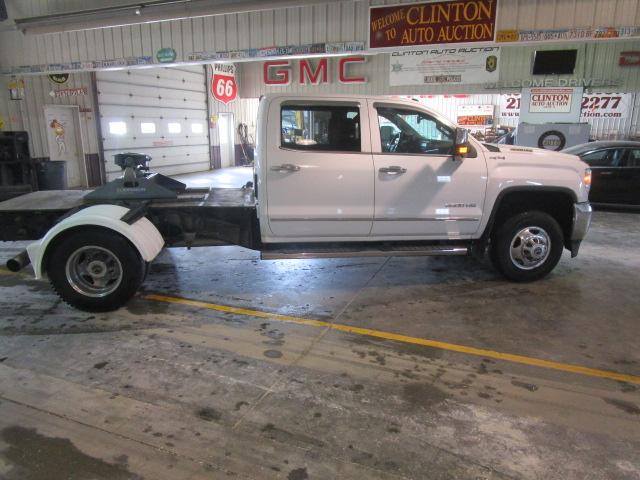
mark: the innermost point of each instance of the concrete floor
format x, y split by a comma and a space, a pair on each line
172, 391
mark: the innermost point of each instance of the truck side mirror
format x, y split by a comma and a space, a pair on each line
461, 147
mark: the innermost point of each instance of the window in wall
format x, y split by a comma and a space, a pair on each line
174, 127
197, 127
147, 127
409, 131
117, 128
322, 128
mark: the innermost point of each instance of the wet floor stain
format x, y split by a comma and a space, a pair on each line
422, 394
298, 474
209, 414
272, 353
628, 407
33, 456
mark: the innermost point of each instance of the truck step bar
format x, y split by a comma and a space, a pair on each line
344, 252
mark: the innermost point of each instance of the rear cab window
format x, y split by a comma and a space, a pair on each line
320, 128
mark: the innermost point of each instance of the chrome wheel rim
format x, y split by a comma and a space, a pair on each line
530, 248
93, 271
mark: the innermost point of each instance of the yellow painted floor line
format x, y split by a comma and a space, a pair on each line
509, 357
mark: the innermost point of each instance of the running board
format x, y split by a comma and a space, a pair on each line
345, 252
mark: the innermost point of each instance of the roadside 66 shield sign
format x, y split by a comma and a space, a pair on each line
223, 82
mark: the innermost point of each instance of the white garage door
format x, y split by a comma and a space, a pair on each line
161, 112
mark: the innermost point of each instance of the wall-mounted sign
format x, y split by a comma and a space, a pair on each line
285, 51
550, 100
69, 92
59, 78
629, 59
554, 82
16, 89
593, 106
606, 105
573, 34
312, 72
166, 55
432, 23
509, 105
475, 117
444, 66
223, 82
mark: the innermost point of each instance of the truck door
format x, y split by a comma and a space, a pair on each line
420, 190
319, 169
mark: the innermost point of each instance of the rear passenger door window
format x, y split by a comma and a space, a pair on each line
608, 157
320, 128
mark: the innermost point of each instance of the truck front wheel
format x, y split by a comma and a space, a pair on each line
527, 246
96, 269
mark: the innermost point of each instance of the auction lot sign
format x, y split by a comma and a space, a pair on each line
550, 100
444, 66
410, 25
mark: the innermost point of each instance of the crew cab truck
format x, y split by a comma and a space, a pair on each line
334, 176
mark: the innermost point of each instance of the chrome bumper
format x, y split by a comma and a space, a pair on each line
581, 222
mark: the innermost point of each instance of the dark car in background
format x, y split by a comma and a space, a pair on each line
615, 167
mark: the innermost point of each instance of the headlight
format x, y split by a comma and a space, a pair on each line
586, 179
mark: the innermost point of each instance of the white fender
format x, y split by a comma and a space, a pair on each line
142, 234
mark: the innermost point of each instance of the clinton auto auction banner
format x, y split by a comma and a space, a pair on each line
461, 21
444, 66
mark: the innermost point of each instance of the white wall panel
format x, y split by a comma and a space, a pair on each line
165, 98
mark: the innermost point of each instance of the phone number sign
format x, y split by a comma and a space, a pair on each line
409, 25
223, 82
606, 105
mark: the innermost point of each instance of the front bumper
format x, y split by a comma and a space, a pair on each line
581, 222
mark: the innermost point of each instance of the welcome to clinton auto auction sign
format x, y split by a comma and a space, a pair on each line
457, 21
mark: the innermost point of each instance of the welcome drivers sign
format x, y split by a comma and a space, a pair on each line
458, 21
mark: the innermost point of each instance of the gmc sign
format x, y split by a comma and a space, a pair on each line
281, 72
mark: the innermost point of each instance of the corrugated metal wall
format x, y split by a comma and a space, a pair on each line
28, 114
595, 61
327, 22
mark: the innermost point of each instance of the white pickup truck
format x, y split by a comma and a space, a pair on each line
334, 176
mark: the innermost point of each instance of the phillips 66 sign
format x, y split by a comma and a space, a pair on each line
223, 82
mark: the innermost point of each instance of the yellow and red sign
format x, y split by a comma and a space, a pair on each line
453, 21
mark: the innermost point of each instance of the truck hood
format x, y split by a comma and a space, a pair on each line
541, 156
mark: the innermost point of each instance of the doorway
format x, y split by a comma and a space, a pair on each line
226, 139
65, 142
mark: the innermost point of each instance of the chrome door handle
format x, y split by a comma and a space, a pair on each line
606, 173
285, 167
392, 170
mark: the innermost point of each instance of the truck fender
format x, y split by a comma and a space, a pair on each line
142, 233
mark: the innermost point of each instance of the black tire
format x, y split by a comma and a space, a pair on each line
107, 253
540, 225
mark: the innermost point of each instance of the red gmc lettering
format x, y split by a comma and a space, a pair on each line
280, 75
344, 62
314, 77
279, 72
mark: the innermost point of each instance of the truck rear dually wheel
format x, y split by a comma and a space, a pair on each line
95, 269
527, 246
